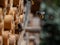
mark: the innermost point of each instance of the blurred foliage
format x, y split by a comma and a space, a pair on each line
50, 34
57, 2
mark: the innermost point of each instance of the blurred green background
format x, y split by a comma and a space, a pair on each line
50, 34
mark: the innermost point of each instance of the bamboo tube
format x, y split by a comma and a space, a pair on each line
12, 40
17, 37
5, 37
1, 40
0, 29
13, 11
12, 28
1, 22
8, 19
6, 3
5, 8
21, 7
9, 24
1, 12
11, 4
21, 18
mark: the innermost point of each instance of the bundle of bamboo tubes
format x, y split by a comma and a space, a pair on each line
9, 18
